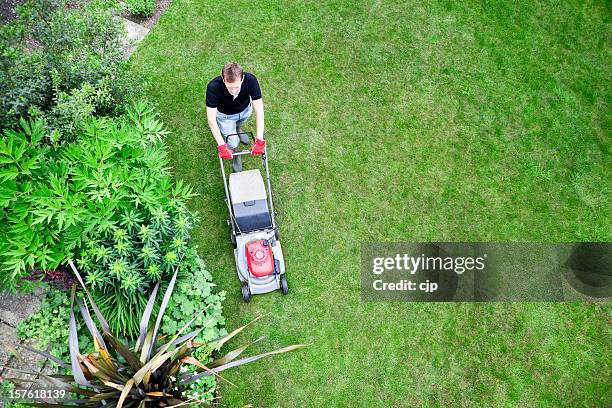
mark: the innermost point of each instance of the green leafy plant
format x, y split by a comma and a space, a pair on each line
54, 199
195, 292
23, 245
148, 374
108, 200
144, 8
67, 116
126, 262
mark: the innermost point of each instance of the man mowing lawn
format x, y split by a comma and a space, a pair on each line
230, 100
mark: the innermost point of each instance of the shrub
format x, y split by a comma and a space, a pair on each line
25, 83
51, 50
144, 8
124, 265
107, 200
70, 111
53, 198
23, 243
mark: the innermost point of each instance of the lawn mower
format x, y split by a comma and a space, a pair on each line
253, 231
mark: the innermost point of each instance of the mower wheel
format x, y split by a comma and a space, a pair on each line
276, 234
246, 293
283, 284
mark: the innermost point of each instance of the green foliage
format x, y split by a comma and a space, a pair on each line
55, 200
202, 389
205, 387
48, 328
22, 244
24, 82
51, 51
126, 261
107, 200
70, 111
194, 293
141, 7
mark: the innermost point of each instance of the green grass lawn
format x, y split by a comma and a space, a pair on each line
404, 121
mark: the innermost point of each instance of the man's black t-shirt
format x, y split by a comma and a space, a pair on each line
217, 95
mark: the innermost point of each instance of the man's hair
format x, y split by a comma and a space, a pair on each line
231, 72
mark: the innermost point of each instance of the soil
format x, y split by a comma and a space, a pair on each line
7, 10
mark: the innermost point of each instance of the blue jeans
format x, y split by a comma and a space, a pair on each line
227, 125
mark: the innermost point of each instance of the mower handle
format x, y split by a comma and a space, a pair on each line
264, 160
242, 152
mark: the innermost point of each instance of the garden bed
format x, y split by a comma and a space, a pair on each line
51, 104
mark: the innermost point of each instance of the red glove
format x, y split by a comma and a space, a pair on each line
224, 152
258, 147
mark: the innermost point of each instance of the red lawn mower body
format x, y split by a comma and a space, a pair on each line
260, 258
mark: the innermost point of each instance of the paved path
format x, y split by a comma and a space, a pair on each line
136, 33
14, 309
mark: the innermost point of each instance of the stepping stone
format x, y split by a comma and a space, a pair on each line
41, 383
31, 361
135, 34
8, 337
14, 309
30, 365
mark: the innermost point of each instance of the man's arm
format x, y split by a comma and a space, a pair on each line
211, 114
259, 117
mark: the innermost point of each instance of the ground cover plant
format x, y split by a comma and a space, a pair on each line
405, 121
